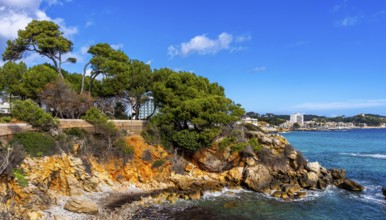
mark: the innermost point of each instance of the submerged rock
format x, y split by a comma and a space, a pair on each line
351, 185
384, 191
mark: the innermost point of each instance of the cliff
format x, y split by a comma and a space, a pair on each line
67, 183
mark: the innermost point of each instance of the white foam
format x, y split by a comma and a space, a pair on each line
376, 156
224, 192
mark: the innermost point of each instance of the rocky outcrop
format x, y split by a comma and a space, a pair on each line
257, 178
214, 160
81, 205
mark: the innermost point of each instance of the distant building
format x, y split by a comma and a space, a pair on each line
249, 120
147, 108
5, 108
297, 118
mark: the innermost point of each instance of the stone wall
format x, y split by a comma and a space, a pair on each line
131, 126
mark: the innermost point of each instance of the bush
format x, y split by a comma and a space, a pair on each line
20, 177
158, 163
32, 114
10, 157
121, 145
146, 156
255, 144
34, 143
77, 132
5, 119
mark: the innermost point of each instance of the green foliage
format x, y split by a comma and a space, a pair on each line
42, 37
113, 64
187, 139
296, 126
254, 142
121, 145
20, 177
30, 112
120, 111
95, 116
35, 79
77, 132
193, 110
139, 86
237, 147
34, 143
5, 119
226, 142
11, 78
158, 163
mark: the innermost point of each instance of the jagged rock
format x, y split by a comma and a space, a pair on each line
235, 174
351, 185
276, 142
312, 179
257, 178
213, 160
313, 167
322, 184
301, 195
293, 155
337, 173
384, 191
195, 195
248, 152
250, 162
81, 205
265, 140
276, 194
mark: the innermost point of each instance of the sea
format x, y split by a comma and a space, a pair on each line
362, 152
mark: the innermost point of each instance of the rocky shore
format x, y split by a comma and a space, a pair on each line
68, 186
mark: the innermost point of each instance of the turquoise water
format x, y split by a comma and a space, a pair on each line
361, 152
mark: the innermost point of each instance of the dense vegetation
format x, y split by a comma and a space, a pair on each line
191, 111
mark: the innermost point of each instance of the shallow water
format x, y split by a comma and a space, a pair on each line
361, 152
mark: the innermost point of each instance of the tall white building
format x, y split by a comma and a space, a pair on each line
297, 118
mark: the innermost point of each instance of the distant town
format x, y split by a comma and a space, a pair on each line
271, 122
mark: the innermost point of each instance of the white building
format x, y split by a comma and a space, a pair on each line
297, 118
249, 120
5, 108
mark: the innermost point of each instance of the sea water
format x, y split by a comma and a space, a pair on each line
362, 152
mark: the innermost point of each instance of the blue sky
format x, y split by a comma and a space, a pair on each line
317, 57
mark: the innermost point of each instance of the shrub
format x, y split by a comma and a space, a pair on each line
10, 157
31, 113
5, 119
237, 147
20, 177
34, 143
121, 145
158, 163
146, 156
77, 132
255, 144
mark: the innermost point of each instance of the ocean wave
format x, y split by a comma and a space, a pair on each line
375, 156
225, 192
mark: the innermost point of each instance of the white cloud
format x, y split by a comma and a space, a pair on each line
201, 44
116, 46
149, 62
16, 14
349, 104
349, 21
259, 69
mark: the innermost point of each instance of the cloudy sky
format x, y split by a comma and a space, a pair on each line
322, 57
